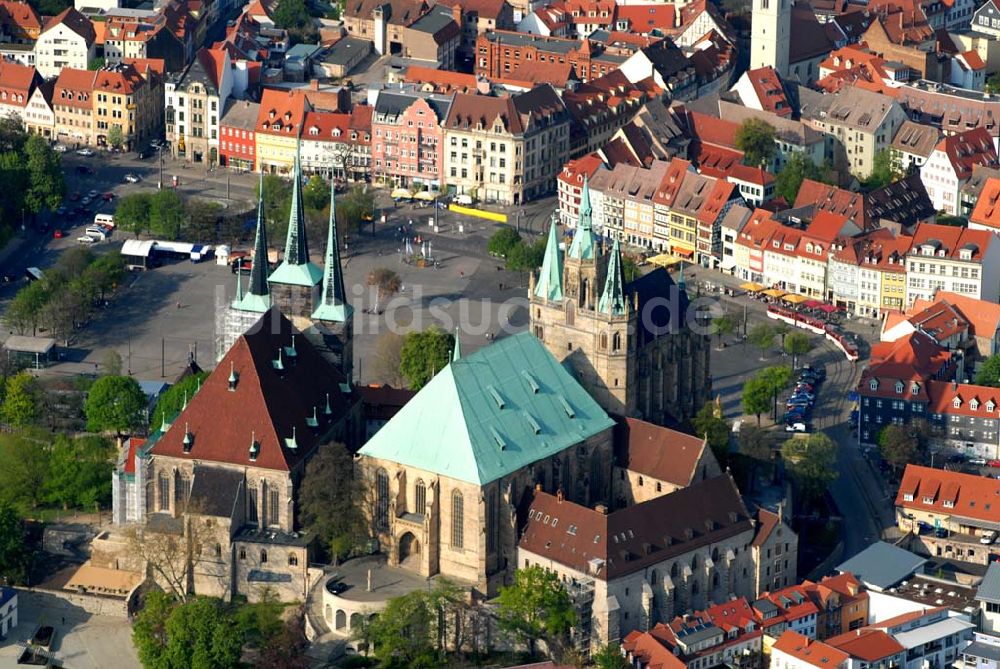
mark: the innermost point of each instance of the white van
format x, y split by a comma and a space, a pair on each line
104, 219
98, 233
463, 199
86, 240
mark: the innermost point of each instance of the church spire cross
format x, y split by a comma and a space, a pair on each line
333, 305
613, 298
296, 244
549, 284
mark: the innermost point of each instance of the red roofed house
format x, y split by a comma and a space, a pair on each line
67, 40
870, 647
963, 504
762, 89
901, 33
130, 100
968, 70
649, 561
279, 126
721, 635
233, 458
237, 143
795, 651
570, 185
17, 83
950, 315
73, 105
334, 141
479, 16
986, 214
19, 22
644, 19
958, 260
949, 166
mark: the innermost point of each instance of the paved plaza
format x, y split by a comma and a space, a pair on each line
82, 640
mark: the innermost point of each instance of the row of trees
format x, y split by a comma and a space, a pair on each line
37, 469
353, 207
66, 297
31, 173
161, 212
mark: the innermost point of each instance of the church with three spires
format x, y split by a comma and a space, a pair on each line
222, 475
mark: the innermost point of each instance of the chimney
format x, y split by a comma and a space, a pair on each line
559, 495
538, 487
601, 509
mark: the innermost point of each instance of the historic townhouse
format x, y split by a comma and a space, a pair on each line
195, 100
17, 84
237, 146
20, 23
338, 143
126, 37
125, 98
502, 53
950, 166
73, 105
67, 41
279, 126
408, 140
39, 116
958, 260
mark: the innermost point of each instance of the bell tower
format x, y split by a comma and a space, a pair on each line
771, 35
333, 331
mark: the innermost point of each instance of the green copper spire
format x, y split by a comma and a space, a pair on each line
257, 297
456, 353
549, 284
612, 300
295, 268
584, 247
333, 306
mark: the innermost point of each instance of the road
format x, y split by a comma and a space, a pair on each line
861, 496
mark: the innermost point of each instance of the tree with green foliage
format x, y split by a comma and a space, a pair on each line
797, 169
630, 268
24, 469
95, 63
797, 345
535, 606
105, 273
332, 482
291, 14
115, 403
755, 138
755, 443
812, 462
993, 83
24, 313
424, 354
173, 399
277, 205
723, 326
883, 172
762, 337
355, 209
777, 379
203, 217
197, 633
610, 657
900, 445
502, 241
46, 181
20, 401
166, 213
709, 423
79, 472
316, 192
756, 396
14, 553
115, 137
988, 373
132, 213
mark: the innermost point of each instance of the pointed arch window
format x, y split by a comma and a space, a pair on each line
616, 342
420, 497
382, 499
457, 518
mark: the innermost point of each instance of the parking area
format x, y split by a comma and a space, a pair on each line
81, 640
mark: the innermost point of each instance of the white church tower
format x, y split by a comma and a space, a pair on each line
771, 35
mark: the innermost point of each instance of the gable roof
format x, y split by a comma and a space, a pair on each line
268, 405
982, 315
20, 14
972, 147
815, 653
610, 545
968, 495
76, 22
658, 452
492, 412
869, 645
986, 211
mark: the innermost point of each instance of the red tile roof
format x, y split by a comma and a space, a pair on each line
468, 111
943, 396
20, 14
770, 93
754, 175
659, 452
17, 80
869, 645
74, 88
978, 496
575, 170
490, 9
972, 147
983, 316
124, 80
913, 357
646, 18
133, 445
649, 649
443, 80
213, 61
816, 653
281, 112
766, 522
268, 406
987, 209
952, 240
831, 199
637, 537
940, 320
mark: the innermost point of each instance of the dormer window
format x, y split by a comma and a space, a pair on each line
899, 387
915, 389
974, 405
314, 130
957, 402
948, 504
907, 496
928, 499
873, 385
989, 406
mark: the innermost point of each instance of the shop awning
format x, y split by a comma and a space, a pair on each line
752, 287
774, 292
827, 308
811, 304
793, 298
424, 195
684, 253
727, 263
401, 194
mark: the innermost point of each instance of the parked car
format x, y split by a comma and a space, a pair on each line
85, 152
818, 371
988, 538
57, 234
923, 527
60, 148
92, 194
977, 461
131, 178
85, 201
86, 240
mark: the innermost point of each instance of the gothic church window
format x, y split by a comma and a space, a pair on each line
457, 518
382, 499
420, 497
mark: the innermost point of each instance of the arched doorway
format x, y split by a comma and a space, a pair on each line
341, 621
356, 619
409, 547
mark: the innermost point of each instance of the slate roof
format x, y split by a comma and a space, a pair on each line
636, 537
268, 405
439, 22
214, 490
7, 594
491, 413
76, 22
989, 589
882, 565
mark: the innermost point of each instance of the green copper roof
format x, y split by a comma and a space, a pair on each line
258, 296
584, 246
613, 298
491, 413
333, 305
295, 268
549, 284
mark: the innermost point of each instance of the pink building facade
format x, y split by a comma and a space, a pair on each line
408, 140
